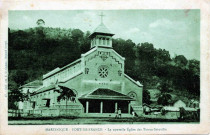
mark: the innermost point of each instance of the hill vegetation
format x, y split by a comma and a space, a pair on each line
35, 51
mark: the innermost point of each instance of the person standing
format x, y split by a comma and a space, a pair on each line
133, 113
119, 113
116, 112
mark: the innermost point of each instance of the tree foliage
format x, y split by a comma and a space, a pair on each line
35, 51
164, 99
146, 96
66, 94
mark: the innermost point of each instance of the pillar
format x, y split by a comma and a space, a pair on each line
103, 40
91, 43
116, 106
99, 41
87, 106
101, 107
110, 42
129, 107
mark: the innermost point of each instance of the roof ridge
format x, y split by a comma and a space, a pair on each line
102, 28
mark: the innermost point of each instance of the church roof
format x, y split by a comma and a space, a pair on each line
43, 89
36, 83
107, 94
135, 82
55, 71
101, 29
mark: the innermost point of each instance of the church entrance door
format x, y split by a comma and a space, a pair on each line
105, 106
108, 106
94, 106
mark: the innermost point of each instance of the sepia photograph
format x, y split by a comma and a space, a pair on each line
76, 67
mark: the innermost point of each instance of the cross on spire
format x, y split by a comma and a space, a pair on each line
102, 15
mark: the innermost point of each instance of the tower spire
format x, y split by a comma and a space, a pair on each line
101, 36
102, 15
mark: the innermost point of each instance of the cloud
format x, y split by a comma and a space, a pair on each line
165, 24
161, 23
132, 33
133, 30
174, 30
85, 20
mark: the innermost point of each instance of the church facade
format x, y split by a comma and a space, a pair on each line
97, 79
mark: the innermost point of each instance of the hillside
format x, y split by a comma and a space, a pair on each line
35, 51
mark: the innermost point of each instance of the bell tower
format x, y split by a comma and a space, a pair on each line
101, 36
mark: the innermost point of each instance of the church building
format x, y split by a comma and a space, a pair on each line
97, 80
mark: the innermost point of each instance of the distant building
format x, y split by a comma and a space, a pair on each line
98, 80
40, 23
179, 103
178, 109
194, 104
171, 112
31, 87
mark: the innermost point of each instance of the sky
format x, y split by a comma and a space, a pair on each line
177, 31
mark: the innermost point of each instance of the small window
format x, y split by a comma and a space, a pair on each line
119, 72
86, 70
48, 103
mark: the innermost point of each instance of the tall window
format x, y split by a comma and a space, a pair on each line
108, 42
86, 70
94, 41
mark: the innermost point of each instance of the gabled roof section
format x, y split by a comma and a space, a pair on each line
43, 89
101, 29
176, 100
71, 77
60, 69
107, 94
33, 84
135, 82
89, 52
123, 58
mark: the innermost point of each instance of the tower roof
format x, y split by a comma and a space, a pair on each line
101, 29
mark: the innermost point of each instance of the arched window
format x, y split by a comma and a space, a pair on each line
132, 95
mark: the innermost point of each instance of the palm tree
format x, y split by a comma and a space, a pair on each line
66, 94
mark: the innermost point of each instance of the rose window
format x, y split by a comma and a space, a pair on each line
132, 95
103, 71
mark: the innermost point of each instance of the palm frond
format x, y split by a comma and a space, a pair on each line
66, 94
